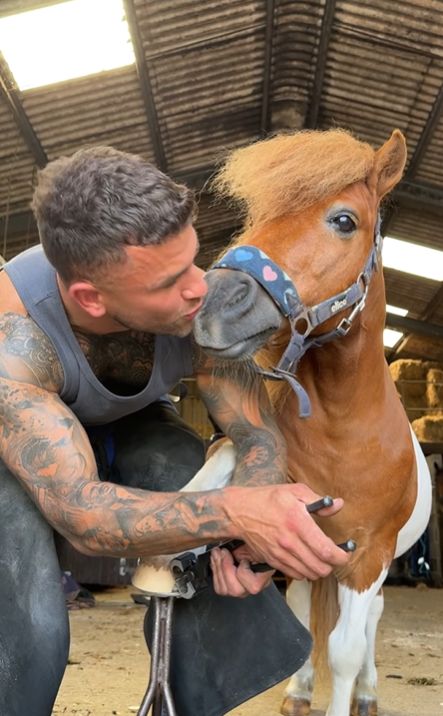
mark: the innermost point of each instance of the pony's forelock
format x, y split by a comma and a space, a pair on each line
290, 172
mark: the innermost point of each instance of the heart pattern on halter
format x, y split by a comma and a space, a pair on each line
243, 255
268, 274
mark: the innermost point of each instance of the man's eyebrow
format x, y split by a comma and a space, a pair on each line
170, 280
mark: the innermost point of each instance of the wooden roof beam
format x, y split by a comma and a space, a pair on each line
413, 195
9, 91
145, 85
425, 315
426, 136
319, 76
412, 325
269, 37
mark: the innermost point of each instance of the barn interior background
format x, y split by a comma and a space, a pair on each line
204, 76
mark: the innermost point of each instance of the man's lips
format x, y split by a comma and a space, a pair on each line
190, 316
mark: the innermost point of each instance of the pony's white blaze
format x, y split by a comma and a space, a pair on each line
416, 524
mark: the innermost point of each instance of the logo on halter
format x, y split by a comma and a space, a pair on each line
337, 305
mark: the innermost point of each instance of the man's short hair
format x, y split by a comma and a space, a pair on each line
89, 206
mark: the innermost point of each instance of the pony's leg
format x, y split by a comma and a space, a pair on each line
348, 645
365, 696
298, 693
216, 472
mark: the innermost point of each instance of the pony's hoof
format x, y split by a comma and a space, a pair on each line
292, 706
364, 707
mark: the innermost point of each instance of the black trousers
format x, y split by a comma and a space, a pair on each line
152, 449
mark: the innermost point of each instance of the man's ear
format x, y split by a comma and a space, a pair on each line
87, 297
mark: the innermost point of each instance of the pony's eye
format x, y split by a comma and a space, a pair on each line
344, 223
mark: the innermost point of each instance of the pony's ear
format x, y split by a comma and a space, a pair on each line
389, 163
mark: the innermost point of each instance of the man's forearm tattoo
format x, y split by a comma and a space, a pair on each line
261, 451
47, 449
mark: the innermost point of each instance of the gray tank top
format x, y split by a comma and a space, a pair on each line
35, 282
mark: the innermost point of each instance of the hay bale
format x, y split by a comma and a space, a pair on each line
432, 364
410, 380
434, 388
429, 428
411, 374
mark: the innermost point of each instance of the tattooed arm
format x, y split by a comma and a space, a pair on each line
46, 448
237, 401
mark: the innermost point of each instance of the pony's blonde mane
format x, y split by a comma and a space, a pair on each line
290, 172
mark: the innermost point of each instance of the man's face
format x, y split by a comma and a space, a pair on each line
158, 289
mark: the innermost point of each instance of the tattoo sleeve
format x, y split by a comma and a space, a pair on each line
237, 401
46, 448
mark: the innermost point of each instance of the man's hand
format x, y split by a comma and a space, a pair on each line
278, 529
236, 580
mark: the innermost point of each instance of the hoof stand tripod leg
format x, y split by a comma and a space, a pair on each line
190, 574
158, 694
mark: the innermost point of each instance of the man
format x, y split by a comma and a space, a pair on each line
94, 331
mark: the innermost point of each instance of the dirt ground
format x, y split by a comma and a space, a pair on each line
108, 667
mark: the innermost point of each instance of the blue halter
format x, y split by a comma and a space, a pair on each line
303, 319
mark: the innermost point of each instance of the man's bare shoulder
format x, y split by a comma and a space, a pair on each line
26, 353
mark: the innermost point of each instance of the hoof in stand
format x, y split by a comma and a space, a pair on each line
292, 706
155, 577
364, 707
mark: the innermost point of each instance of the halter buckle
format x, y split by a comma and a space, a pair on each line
304, 315
345, 324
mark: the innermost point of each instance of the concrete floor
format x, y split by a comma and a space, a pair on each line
108, 670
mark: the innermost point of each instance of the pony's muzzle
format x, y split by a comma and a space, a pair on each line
237, 313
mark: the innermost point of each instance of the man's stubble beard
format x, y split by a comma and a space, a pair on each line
174, 329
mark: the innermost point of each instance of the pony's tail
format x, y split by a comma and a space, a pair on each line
324, 615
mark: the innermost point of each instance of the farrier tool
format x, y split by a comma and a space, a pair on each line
191, 572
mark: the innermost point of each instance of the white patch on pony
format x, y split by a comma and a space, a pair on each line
365, 689
216, 472
417, 522
348, 643
298, 597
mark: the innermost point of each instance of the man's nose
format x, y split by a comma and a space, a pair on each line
197, 286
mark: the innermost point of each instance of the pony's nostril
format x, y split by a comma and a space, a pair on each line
240, 295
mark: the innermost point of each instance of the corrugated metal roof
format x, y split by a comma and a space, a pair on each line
223, 74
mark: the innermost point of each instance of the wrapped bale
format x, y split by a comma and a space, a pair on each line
410, 379
429, 428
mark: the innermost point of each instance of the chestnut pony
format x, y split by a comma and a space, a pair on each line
302, 290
